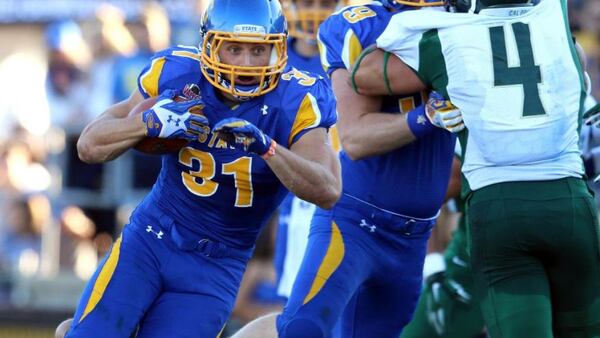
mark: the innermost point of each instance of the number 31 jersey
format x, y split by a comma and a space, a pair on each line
514, 74
211, 189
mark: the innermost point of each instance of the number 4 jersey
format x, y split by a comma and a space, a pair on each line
515, 76
211, 189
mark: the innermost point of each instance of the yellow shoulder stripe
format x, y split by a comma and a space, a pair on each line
149, 80
351, 49
187, 54
308, 116
322, 54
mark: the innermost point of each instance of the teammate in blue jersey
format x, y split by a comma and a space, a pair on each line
304, 18
256, 127
364, 258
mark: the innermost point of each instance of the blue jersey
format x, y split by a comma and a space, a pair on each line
411, 180
309, 64
210, 188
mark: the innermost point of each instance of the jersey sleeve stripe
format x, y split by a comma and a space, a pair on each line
187, 54
308, 116
149, 80
352, 48
331, 261
103, 279
323, 54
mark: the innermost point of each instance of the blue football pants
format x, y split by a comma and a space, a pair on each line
148, 280
363, 266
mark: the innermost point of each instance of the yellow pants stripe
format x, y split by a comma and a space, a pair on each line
221, 332
332, 260
103, 278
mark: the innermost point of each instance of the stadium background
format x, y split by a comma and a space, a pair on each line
61, 63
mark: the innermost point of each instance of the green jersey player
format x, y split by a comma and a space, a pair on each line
512, 69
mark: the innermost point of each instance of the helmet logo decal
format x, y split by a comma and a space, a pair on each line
254, 29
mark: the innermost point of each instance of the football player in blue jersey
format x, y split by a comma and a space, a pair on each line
304, 18
364, 258
255, 126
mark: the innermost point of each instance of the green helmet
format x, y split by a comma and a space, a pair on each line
474, 6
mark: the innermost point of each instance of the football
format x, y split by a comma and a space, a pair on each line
156, 145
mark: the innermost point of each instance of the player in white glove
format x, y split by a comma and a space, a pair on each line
443, 114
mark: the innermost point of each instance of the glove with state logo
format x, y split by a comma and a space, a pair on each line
443, 114
170, 119
245, 136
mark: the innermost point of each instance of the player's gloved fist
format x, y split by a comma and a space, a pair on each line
243, 135
434, 295
440, 289
592, 116
171, 119
443, 114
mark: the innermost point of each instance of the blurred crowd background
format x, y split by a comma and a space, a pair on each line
62, 62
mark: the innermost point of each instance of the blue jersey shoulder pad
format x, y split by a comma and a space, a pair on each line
344, 35
307, 101
171, 68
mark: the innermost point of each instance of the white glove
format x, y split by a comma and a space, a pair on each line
443, 114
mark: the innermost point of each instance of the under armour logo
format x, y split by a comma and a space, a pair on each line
421, 119
364, 224
158, 234
170, 119
264, 109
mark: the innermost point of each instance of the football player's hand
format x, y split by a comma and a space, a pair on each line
443, 114
171, 119
441, 290
434, 294
592, 116
243, 135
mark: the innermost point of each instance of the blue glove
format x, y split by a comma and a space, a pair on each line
170, 119
443, 114
243, 135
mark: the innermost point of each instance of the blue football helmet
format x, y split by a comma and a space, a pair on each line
244, 21
305, 18
406, 4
